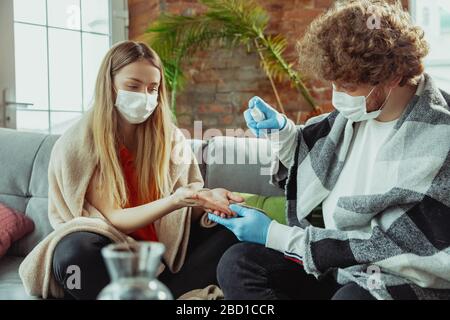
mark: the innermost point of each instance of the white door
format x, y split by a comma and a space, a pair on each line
7, 79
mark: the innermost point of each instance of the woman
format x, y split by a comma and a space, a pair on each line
120, 160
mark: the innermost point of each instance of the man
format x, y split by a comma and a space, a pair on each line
379, 165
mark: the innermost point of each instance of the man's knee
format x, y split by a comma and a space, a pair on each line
237, 261
244, 271
352, 291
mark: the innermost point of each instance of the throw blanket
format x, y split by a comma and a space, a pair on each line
72, 164
403, 233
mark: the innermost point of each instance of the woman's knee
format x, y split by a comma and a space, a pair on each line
77, 249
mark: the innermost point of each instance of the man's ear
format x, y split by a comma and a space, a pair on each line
395, 82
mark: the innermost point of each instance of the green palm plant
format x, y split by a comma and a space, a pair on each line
227, 23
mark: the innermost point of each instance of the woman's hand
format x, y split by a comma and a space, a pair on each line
211, 200
219, 196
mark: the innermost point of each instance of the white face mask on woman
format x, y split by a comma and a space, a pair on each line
136, 107
355, 108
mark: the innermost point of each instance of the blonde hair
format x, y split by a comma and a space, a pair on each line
153, 136
339, 45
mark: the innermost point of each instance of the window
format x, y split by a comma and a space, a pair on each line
434, 18
59, 45
445, 19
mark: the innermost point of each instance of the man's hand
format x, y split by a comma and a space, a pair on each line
273, 119
250, 225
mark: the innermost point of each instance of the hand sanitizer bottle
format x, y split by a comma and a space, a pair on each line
258, 116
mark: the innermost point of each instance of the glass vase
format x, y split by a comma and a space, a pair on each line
132, 269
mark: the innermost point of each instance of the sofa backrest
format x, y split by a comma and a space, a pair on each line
239, 164
231, 163
24, 161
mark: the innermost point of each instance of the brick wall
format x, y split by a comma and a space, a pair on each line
220, 82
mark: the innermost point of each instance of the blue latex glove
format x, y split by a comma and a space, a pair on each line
250, 225
273, 119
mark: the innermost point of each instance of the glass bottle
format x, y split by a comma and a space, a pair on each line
132, 269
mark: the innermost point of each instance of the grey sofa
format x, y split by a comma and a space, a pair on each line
24, 161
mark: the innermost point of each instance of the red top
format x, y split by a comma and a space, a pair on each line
147, 233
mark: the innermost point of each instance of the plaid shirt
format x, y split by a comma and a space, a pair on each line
395, 244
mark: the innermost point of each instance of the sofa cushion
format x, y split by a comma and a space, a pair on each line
39, 176
11, 287
37, 210
273, 206
18, 151
13, 226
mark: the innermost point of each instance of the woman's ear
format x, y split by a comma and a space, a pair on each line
114, 92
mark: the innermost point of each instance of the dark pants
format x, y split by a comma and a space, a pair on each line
254, 272
83, 249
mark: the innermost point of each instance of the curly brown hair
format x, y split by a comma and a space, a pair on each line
366, 42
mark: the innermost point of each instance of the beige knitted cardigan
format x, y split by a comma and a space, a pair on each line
72, 164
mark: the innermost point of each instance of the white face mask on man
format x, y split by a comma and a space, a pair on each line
355, 108
136, 107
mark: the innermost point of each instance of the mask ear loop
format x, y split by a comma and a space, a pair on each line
115, 91
371, 91
146, 96
385, 101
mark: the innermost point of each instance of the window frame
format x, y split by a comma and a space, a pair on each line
430, 62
